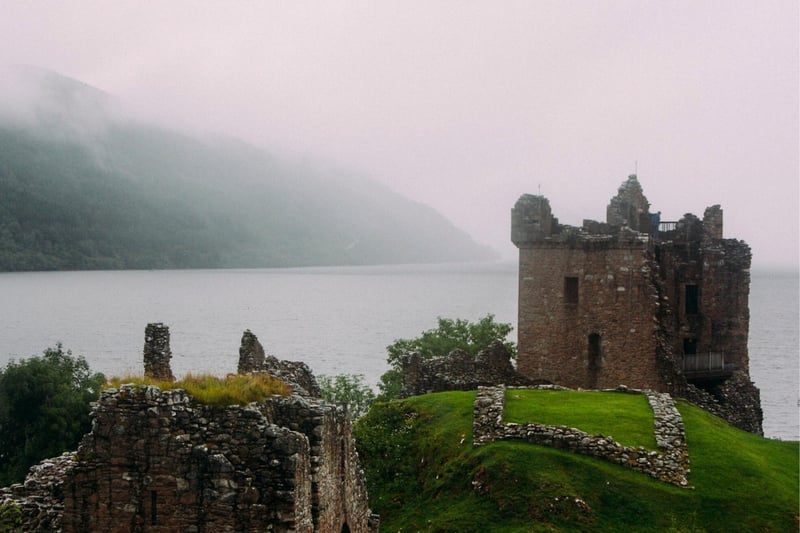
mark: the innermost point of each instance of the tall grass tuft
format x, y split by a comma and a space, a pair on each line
233, 389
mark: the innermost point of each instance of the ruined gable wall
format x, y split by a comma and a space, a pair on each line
338, 487
616, 299
158, 462
155, 462
459, 370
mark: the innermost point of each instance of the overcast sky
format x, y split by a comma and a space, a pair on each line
466, 105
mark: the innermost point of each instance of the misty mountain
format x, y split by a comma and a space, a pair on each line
84, 187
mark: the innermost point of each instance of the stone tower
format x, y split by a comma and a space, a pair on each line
636, 301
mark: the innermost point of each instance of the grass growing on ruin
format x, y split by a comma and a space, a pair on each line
233, 389
423, 474
628, 418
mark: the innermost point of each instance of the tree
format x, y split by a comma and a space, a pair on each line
348, 389
44, 409
472, 337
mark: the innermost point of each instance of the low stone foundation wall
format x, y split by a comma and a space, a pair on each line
670, 464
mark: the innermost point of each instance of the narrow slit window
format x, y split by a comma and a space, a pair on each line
153, 507
690, 346
692, 300
571, 290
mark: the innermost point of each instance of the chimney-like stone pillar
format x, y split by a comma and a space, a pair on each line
712, 223
157, 353
251, 353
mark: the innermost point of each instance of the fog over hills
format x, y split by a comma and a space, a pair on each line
83, 186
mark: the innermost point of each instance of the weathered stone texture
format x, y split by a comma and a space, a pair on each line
614, 306
157, 353
635, 301
460, 371
251, 353
629, 207
297, 374
158, 461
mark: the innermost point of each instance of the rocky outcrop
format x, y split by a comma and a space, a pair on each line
461, 371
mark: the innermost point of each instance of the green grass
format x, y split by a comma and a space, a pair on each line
234, 389
423, 474
627, 418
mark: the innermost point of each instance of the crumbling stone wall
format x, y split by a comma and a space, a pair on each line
157, 353
251, 353
298, 375
460, 371
158, 461
41, 496
629, 207
670, 464
736, 399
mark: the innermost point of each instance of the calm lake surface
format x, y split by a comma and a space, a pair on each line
337, 319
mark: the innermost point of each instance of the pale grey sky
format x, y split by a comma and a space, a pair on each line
465, 105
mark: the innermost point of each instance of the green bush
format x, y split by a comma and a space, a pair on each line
10, 517
449, 335
44, 409
347, 389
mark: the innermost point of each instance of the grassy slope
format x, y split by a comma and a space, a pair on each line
424, 475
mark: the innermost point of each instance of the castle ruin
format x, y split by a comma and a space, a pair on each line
636, 301
161, 462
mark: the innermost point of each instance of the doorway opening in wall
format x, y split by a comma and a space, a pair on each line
153, 508
595, 359
345, 528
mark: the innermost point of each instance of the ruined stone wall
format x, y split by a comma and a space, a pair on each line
157, 353
460, 371
338, 487
156, 461
252, 359
629, 207
670, 464
615, 300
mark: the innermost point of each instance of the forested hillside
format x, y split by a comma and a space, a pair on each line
83, 188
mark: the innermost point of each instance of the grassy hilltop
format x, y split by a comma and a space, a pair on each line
424, 474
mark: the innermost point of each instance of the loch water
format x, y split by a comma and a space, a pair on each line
336, 319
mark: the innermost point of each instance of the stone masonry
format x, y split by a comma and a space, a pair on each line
157, 353
670, 464
252, 359
636, 301
158, 461
460, 371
